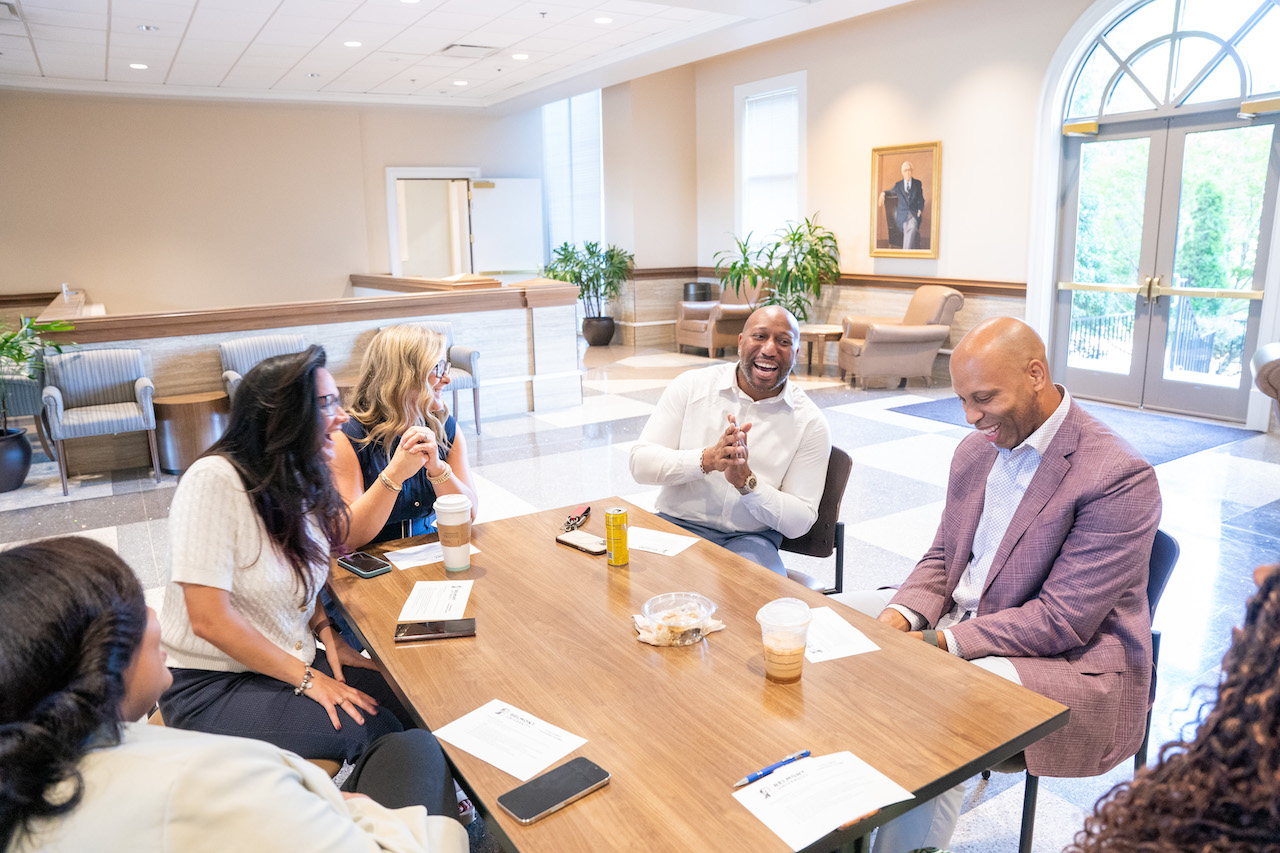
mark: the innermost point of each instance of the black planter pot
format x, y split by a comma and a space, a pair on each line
15, 459
597, 330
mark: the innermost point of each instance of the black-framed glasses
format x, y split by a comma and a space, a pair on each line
329, 402
441, 370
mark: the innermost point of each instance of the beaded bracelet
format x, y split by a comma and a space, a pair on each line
306, 682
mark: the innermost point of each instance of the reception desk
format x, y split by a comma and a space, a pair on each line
526, 337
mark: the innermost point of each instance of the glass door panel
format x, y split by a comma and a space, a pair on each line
1108, 250
1205, 314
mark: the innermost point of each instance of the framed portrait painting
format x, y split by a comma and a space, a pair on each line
905, 188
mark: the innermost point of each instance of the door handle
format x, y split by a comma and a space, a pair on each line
1155, 289
1146, 291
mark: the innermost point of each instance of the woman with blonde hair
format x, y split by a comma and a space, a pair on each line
401, 449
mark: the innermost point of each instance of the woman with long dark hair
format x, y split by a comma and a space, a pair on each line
1221, 791
251, 528
80, 659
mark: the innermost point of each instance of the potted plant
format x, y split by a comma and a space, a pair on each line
790, 271
21, 360
804, 258
740, 267
598, 276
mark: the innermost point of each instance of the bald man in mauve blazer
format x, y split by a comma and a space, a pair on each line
1038, 570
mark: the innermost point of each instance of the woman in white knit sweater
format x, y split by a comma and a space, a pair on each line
251, 527
80, 657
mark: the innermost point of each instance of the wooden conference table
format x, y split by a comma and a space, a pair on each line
676, 727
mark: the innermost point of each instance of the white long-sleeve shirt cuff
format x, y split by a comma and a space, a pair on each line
915, 620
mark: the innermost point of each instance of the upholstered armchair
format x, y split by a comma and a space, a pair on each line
900, 346
98, 392
24, 398
713, 326
464, 367
1266, 371
241, 355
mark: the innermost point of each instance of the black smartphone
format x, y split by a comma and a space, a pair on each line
553, 790
410, 632
364, 565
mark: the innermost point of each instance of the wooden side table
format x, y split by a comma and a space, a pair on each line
820, 334
187, 424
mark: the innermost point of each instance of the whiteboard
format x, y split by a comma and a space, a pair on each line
506, 227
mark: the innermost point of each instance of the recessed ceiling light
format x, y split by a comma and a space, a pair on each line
311, 74
459, 82
604, 20
351, 44
148, 28
520, 56
137, 66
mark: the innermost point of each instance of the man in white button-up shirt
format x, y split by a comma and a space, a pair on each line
740, 451
1038, 571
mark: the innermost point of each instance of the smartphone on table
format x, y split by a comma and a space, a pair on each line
363, 564
553, 790
412, 632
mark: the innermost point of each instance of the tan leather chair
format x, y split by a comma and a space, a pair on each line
900, 347
1266, 372
714, 325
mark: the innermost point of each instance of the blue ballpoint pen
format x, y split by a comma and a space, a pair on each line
760, 774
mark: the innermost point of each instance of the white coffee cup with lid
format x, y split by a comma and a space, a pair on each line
453, 521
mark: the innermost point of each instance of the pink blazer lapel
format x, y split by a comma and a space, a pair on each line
1053, 467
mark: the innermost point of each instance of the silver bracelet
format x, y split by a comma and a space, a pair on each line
306, 681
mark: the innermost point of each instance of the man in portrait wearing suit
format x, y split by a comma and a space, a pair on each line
1038, 570
910, 210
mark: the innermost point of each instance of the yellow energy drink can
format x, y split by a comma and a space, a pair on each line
615, 536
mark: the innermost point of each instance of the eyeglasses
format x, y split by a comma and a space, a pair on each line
329, 402
441, 370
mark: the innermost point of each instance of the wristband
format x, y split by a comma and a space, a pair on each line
930, 637
386, 481
306, 681
328, 623
435, 481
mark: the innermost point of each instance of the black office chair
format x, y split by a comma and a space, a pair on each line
827, 533
1164, 556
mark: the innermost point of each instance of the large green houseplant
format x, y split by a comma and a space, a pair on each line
599, 275
21, 360
793, 267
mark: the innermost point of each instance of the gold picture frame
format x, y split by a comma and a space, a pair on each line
891, 228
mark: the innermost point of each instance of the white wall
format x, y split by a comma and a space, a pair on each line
157, 205
968, 74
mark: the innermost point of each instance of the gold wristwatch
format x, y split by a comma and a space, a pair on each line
749, 486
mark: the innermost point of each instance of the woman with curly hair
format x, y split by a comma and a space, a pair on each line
251, 528
1221, 791
401, 449
80, 659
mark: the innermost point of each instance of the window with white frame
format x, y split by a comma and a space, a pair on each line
572, 169
769, 155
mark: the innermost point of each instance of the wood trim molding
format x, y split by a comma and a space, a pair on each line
39, 298
126, 327
967, 286
690, 273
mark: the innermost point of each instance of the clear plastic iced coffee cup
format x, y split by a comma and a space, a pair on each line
784, 625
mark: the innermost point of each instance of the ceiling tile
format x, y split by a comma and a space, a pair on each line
67, 35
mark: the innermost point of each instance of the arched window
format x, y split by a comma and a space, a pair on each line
1166, 56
